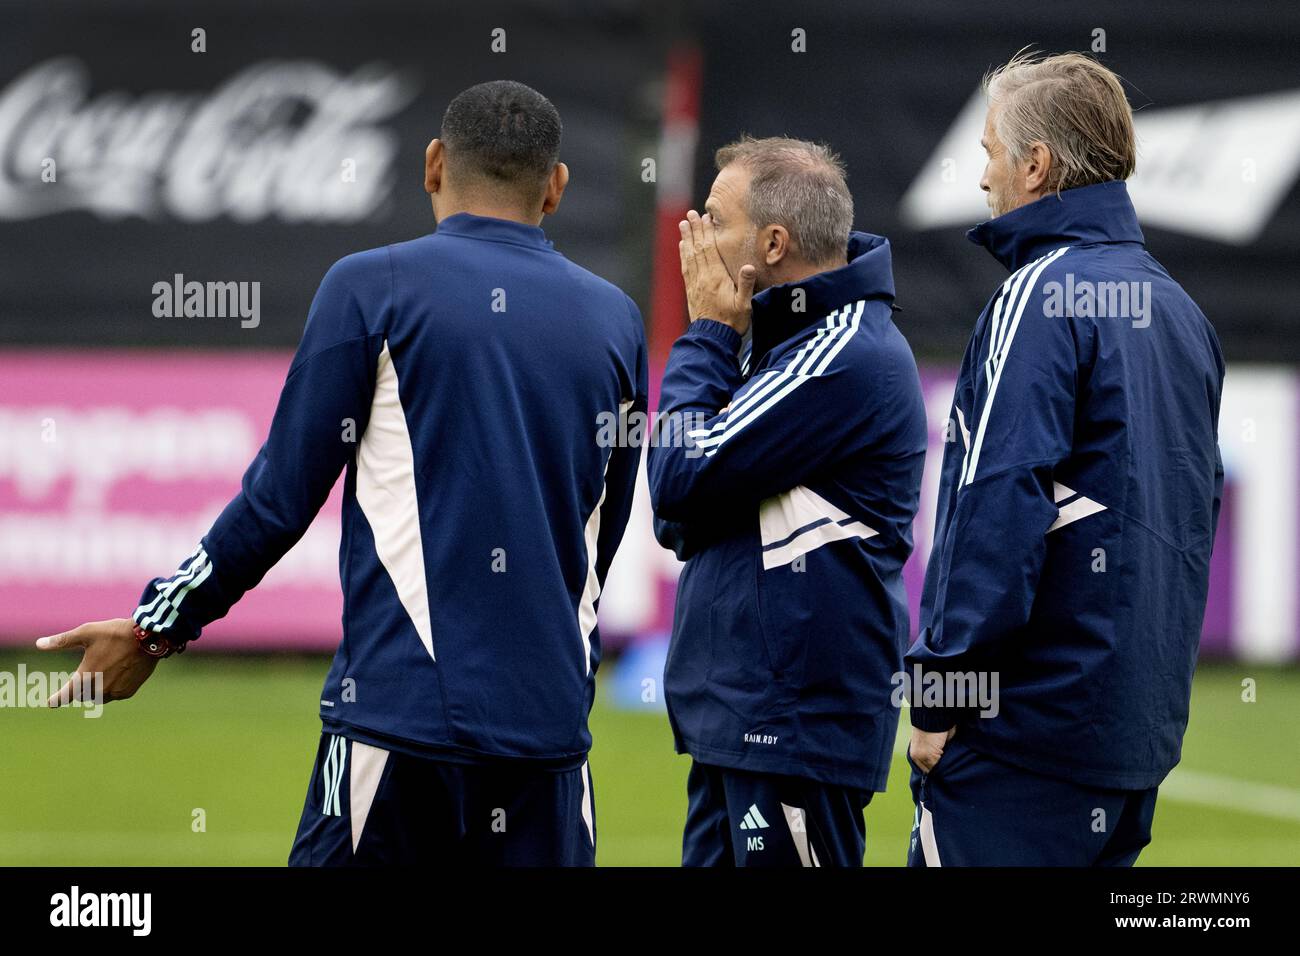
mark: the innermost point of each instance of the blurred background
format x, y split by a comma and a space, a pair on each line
135, 151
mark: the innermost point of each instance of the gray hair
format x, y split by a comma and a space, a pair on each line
797, 185
1071, 104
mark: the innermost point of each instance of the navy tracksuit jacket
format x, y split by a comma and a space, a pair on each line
461, 381
790, 493
1078, 500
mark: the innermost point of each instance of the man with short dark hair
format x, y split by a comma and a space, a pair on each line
462, 380
790, 492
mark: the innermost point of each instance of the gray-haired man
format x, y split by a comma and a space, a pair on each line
1077, 505
789, 490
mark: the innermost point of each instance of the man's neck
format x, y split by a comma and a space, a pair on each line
797, 272
493, 211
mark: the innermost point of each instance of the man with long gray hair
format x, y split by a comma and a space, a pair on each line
1077, 506
786, 473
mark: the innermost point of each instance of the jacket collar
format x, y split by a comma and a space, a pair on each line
1088, 214
499, 230
868, 275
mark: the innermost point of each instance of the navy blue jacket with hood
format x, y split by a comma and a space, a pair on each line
791, 497
1078, 500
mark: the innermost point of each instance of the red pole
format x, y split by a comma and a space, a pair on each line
675, 169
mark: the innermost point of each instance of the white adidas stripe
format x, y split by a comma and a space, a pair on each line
841, 341
176, 603
1002, 309
198, 572
760, 385
1022, 298
771, 378
1002, 306
185, 571
1011, 291
828, 335
327, 775
787, 383
335, 763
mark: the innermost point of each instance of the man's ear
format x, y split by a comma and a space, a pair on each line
774, 243
555, 184
1037, 168
434, 155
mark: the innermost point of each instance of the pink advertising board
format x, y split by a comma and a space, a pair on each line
114, 464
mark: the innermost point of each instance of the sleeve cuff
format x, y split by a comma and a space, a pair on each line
719, 331
933, 720
157, 615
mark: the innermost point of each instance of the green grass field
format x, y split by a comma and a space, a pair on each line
234, 737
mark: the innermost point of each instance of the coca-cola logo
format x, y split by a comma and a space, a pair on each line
294, 140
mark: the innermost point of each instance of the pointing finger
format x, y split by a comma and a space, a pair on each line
59, 642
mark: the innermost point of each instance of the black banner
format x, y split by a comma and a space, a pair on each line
622, 905
1217, 99
296, 136
134, 148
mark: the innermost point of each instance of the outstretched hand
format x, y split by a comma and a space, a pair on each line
109, 648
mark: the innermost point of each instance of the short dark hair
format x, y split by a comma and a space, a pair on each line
504, 134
